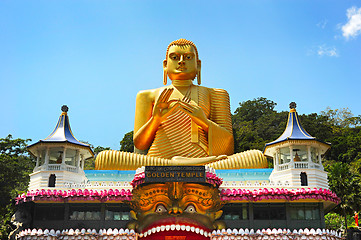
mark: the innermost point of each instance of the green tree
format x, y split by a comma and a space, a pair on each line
252, 110
15, 165
345, 135
341, 117
336, 221
346, 185
346, 144
90, 163
255, 122
98, 149
317, 125
127, 144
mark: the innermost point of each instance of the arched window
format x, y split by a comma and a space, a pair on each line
52, 180
304, 181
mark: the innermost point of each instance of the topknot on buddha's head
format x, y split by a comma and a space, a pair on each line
182, 42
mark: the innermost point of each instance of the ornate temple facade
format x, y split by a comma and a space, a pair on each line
65, 201
184, 181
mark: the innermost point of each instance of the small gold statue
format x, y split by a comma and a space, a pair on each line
182, 124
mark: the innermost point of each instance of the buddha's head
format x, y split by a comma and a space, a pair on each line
187, 210
182, 61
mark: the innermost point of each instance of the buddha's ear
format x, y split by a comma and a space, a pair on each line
199, 71
165, 76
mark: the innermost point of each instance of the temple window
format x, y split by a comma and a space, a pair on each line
116, 215
269, 211
237, 212
303, 177
52, 180
42, 212
84, 212
301, 211
117, 212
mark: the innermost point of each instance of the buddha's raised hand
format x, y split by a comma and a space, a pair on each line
162, 107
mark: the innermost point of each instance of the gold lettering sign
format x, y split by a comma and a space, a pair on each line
174, 174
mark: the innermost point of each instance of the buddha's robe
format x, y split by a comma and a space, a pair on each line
178, 135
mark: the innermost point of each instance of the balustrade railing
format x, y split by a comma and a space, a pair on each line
284, 166
60, 167
71, 168
54, 167
299, 165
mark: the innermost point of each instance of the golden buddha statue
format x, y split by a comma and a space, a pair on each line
182, 124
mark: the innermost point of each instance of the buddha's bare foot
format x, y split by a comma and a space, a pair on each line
183, 161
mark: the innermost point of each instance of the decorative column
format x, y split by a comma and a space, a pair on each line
277, 159
37, 159
46, 157
319, 157
77, 160
63, 167
292, 162
309, 156
82, 161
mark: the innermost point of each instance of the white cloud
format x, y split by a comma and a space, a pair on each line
323, 50
322, 24
353, 27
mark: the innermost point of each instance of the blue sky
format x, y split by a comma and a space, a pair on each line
94, 56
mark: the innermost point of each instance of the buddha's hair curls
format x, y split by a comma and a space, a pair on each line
182, 42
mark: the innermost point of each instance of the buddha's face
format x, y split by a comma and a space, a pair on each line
181, 63
185, 210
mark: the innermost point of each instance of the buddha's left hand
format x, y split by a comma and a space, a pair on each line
196, 113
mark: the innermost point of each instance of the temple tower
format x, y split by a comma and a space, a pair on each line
59, 158
297, 156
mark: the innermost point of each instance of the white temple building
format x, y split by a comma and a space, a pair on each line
59, 158
297, 156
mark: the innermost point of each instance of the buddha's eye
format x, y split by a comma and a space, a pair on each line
190, 209
160, 209
188, 56
173, 56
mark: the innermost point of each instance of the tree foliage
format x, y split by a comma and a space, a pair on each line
90, 163
15, 165
127, 145
346, 185
336, 222
255, 122
341, 117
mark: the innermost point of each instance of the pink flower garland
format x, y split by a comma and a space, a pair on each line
75, 195
226, 194
270, 194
